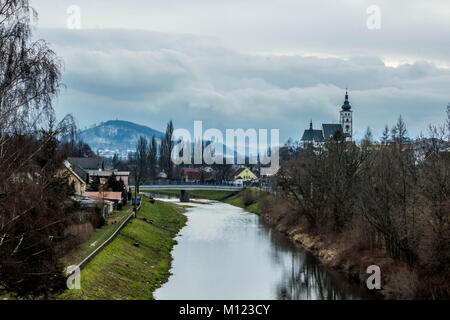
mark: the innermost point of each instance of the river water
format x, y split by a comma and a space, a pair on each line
226, 253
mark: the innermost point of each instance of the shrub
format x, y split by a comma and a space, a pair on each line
248, 198
96, 218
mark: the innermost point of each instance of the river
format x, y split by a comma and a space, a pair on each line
226, 253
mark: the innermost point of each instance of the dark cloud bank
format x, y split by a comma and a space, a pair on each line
150, 77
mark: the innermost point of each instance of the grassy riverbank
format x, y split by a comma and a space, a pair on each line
138, 261
100, 235
247, 199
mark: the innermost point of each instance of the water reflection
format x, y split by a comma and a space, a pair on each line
304, 278
227, 253
308, 281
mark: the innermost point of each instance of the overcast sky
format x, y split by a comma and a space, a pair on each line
252, 64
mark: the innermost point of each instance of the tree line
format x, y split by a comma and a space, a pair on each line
397, 190
149, 160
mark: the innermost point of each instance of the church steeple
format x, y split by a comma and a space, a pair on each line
346, 118
346, 106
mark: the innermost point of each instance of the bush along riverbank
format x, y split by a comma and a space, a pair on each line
137, 261
347, 252
247, 199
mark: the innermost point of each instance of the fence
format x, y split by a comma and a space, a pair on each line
109, 240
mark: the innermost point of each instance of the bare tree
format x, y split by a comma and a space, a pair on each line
33, 214
448, 121
399, 132
385, 135
34, 194
403, 199
153, 158
167, 145
29, 71
368, 136
141, 161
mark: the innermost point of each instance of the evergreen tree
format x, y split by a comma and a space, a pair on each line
94, 184
115, 160
112, 182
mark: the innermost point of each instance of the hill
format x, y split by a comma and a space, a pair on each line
117, 136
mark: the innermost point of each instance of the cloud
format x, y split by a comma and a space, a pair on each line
411, 30
152, 77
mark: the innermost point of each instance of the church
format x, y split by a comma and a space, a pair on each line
318, 137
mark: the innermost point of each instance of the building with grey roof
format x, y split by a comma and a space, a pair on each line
317, 137
88, 164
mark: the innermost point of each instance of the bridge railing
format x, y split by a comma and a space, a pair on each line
192, 183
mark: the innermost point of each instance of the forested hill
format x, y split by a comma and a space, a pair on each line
117, 136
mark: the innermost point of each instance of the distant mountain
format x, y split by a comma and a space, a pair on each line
117, 136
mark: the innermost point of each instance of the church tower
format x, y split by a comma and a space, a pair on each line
346, 119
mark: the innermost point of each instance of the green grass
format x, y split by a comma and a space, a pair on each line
7, 296
238, 200
163, 214
125, 271
198, 194
99, 236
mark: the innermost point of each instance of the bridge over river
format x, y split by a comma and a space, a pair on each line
185, 187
